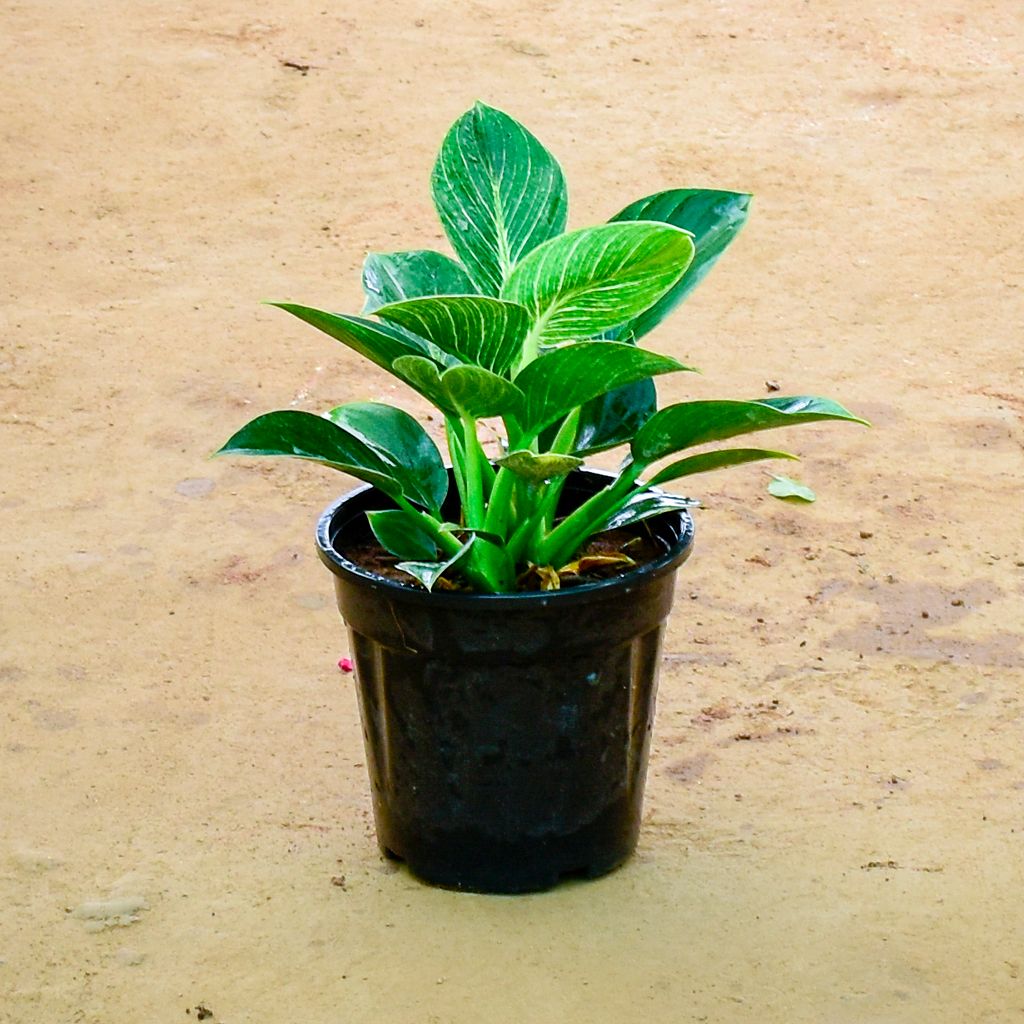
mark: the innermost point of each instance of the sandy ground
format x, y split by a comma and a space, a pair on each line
835, 815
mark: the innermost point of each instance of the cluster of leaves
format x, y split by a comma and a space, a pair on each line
536, 327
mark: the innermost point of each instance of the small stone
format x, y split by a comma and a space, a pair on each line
957, 602
116, 912
866, 534
194, 487
925, 615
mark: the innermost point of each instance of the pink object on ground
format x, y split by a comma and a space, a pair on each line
345, 664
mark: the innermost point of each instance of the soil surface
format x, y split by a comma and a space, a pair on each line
603, 556
835, 815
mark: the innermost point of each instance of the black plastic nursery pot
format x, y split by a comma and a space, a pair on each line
506, 735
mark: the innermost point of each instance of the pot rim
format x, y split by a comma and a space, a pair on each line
348, 570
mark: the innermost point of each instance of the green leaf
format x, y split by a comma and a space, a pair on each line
474, 328
423, 375
714, 218
499, 193
707, 461
379, 343
585, 282
403, 444
538, 468
564, 378
784, 487
483, 534
614, 418
691, 423
428, 573
303, 435
401, 534
395, 276
642, 505
461, 390
477, 393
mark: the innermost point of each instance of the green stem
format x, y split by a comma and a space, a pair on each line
473, 499
529, 523
487, 567
458, 456
445, 540
566, 436
499, 504
561, 543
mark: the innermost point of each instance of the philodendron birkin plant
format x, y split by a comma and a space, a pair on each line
535, 328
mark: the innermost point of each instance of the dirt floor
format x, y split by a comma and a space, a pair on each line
835, 817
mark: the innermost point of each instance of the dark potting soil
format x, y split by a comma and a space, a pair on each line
613, 553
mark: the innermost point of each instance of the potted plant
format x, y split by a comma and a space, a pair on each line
505, 610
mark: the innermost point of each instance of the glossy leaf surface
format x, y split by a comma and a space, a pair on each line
583, 283
475, 329
395, 276
404, 446
564, 378
379, 343
477, 393
538, 468
644, 504
303, 435
707, 461
499, 193
614, 418
713, 217
402, 535
428, 573
423, 375
691, 423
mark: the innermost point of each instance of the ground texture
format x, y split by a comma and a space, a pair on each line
835, 816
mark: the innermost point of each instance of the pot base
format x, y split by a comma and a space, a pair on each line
470, 861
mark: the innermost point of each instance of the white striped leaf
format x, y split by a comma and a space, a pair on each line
588, 281
423, 375
476, 329
559, 381
477, 392
461, 390
377, 342
499, 193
